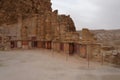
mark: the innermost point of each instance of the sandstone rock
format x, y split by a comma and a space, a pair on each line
34, 20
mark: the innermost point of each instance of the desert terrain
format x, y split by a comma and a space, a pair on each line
48, 65
107, 37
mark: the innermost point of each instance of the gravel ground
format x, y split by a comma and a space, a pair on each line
49, 65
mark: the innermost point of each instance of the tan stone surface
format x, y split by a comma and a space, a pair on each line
46, 65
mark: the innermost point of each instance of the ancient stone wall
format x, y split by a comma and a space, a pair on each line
34, 18
29, 28
10, 9
87, 36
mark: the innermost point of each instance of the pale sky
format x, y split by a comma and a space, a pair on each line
92, 14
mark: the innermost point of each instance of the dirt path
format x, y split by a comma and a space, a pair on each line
46, 65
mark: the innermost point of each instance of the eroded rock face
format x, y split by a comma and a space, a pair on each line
87, 35
25, 20
9, 9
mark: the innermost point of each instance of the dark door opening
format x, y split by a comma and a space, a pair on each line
71, 48
62, 47
34, 44
0, 39
43, 44
13, 44
49, 45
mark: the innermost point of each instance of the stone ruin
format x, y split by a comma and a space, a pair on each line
29, 24
32, 24
33, 20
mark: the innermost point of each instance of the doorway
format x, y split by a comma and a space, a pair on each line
13, 44
34, 44
71, 48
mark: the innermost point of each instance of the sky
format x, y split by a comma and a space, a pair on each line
92, 14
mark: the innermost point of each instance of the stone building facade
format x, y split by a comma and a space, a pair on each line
35, 25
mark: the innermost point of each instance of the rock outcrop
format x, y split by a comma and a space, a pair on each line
34, 20
10, 9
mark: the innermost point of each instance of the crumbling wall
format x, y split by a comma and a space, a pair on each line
10, 9
87, 35
29, 28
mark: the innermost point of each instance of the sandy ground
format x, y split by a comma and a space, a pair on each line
49, 65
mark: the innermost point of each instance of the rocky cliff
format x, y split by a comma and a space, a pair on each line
35, 18
10, 9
